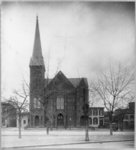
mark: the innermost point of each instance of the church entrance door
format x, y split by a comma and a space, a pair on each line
82, 121
60, 120
36, 120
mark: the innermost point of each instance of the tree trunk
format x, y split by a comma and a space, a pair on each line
110, 122
86, 134
43, 116
51, 127
122, 126
47, 128
111, 130
19, 127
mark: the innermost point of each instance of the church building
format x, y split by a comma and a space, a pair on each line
59, 100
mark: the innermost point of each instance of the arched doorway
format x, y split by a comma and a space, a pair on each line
82, 121
60, 120
101, 122
36, 120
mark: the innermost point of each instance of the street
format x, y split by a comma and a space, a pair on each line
38, 139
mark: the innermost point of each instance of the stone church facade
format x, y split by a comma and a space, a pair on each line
59, 100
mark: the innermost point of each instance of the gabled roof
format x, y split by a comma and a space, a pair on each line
83, 82
74, 81
59, 76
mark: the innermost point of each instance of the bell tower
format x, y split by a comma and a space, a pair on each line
37, 71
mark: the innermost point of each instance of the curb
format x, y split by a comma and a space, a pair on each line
40, 146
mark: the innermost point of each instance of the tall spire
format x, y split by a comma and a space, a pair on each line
37, 58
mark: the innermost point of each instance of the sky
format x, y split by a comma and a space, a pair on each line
78, 38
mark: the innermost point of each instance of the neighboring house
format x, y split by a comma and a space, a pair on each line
124, 118
24, 120
129, 118
96, 116
118, 117
128, 122
64, 96
8, 115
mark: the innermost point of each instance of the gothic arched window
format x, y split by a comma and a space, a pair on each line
37, 103
60, 102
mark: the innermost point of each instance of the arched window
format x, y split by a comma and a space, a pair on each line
60, 102
37, 121
82, 121
95, 120
37, 103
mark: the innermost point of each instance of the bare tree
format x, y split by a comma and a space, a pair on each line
93, 98
20, 101
113, 87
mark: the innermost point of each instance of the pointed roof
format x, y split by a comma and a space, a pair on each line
37, 58
74, 81
84, 82
61, 77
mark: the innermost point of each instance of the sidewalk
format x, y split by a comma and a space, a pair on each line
38, 138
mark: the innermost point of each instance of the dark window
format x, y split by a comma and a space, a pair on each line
90, 112
95, 120
95, 112
90, 120
131, 116
101, 112
126, 117
24, 121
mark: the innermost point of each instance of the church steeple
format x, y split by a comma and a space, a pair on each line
37, 71
37, 58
